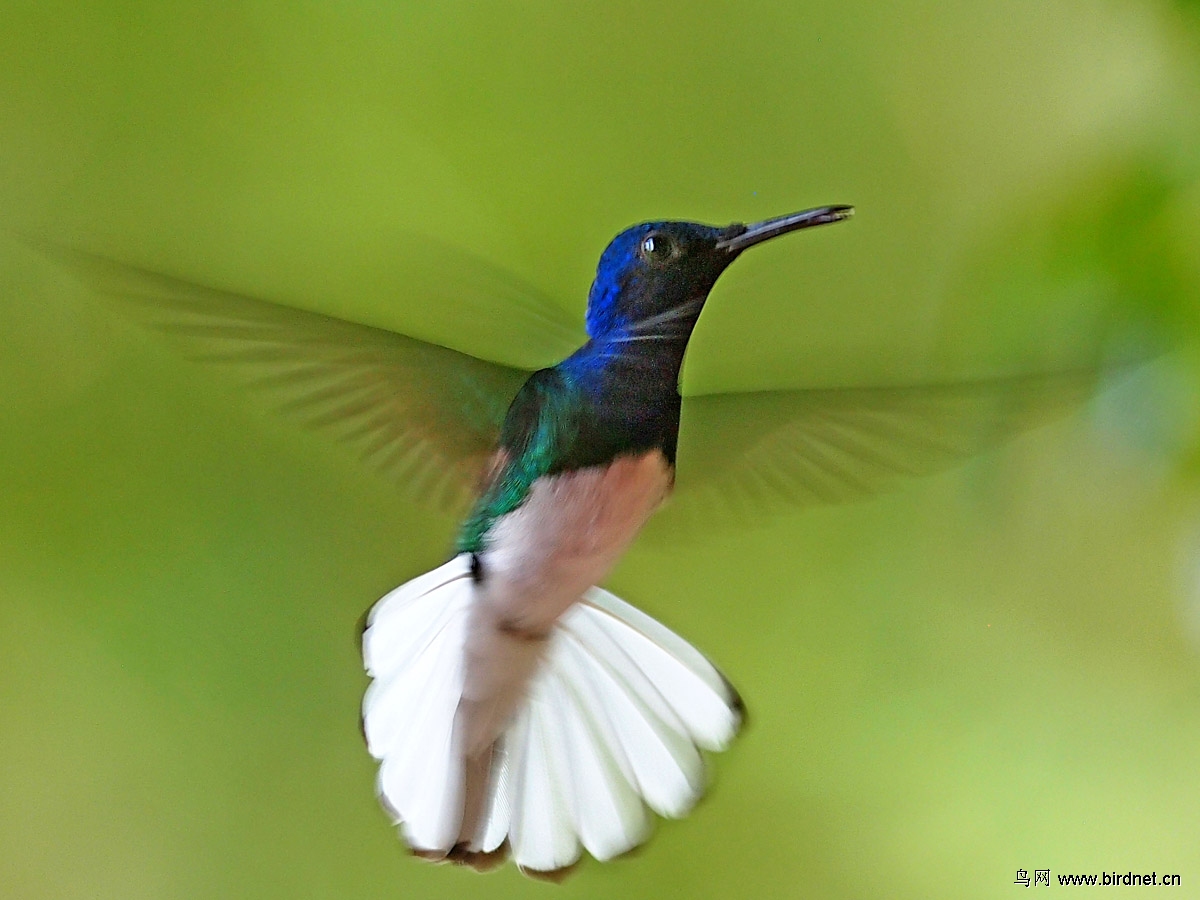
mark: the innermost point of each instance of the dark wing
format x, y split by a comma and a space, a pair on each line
423, 413
768, 451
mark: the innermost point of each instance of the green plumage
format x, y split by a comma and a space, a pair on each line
542, 425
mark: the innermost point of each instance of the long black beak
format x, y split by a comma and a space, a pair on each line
765, 230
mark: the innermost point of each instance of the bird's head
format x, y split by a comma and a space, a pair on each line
653, 278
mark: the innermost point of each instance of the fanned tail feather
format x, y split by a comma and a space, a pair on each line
611, 726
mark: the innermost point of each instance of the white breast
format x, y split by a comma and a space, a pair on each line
567, 535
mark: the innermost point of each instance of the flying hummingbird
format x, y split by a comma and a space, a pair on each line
515, 706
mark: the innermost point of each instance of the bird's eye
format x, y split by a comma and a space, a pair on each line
657, 247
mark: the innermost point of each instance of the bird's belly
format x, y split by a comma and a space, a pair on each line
566, 536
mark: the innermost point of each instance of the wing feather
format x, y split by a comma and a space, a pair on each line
424, 414
769, 451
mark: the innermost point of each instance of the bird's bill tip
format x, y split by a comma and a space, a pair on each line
757, 232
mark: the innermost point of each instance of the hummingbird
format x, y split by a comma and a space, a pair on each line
536, 713
515, 707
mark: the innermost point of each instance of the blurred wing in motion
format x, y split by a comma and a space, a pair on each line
761, 452
422, 413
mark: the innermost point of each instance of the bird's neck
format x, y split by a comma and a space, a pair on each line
610, 367
630, 393
645, 355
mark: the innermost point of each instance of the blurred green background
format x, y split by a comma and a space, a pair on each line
992, 669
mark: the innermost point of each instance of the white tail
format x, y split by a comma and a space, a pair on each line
613, 721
